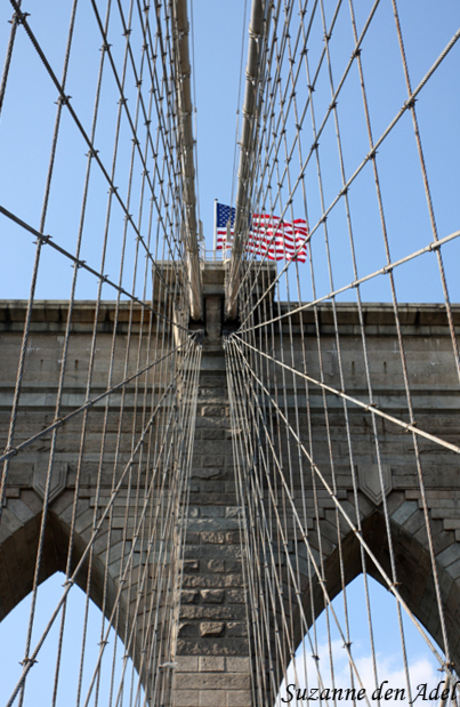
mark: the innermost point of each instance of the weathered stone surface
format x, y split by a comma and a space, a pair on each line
212, 634
213, 596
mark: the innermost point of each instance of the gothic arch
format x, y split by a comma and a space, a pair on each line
18, 552
413, 568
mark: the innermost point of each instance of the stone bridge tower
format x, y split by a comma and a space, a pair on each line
214, 647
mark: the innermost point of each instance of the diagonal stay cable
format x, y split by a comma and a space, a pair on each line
389, 584
180, 488
47, 240
65, 99
283, 541
123, 106
430, 248
129, 558
370, 155
369, 407
71, 580
88, 404
262, 522
328, 113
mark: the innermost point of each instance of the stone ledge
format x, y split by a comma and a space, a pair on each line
54, 312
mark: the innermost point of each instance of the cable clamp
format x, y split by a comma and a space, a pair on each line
43, 239
63, 100
447, 665
27, 662
409, 425
410, 103
105, 47
356, 53
21, 17
11, 451
371, 155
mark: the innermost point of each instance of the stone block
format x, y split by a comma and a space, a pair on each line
237, 628
232, 512
189, 597
454, 570
213, 460
20, 509
213, 411
213, 596
212, 698
215, 565
239, 698
452, 524
212, 628
236, 664
233, 566
213, 434
185, 698
187, 663
213, 537
211, 611
209, 472
187, 628
216, 680
233, 537
449, 555
235, 596
211, 663
404, 512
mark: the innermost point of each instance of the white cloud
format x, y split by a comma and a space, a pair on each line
422, 671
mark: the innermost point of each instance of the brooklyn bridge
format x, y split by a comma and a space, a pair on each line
230, 448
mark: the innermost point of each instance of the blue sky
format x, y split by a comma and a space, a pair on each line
219, 41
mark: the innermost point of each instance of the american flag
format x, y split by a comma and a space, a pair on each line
223, 216
269, 236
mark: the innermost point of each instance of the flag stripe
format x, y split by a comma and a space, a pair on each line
268, 236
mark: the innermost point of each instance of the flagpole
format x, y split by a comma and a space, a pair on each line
215, 229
